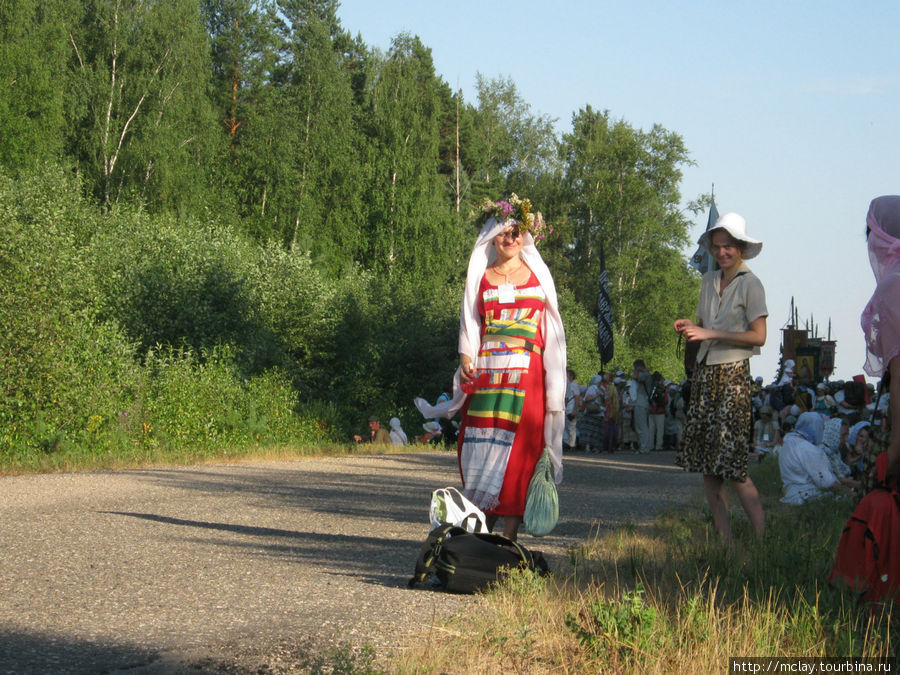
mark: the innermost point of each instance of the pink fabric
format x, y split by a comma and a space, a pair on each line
881, 318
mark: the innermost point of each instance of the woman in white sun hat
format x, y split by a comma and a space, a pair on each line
731, 325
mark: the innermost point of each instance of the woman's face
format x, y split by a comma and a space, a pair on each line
508, 243
726, 250
862, 440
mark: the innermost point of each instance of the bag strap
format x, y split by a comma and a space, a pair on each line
431, 549
522, 554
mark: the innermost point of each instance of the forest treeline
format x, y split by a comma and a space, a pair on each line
226, 222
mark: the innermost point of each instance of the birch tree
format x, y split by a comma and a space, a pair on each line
623, 185
413, 229
139, 109
509, 137
321, 192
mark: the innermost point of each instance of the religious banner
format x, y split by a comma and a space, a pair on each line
604, 314
792, 339
702, 261
826, 357
807, 368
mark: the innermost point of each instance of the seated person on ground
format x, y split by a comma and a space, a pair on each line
857, 449
805, 470
398, 436
433, 433
764, 432
831, 446
376, 433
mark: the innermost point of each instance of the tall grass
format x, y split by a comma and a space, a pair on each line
670, 597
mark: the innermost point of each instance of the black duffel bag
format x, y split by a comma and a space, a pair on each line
457, 561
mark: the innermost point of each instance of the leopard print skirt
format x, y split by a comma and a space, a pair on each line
717, 434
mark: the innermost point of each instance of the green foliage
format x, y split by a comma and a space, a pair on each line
412, 232
143, 338
64, 373
175, 283
242, 49
284, 215
32, 74
139, 124
205, 403
581, 336
616, 629
623, 201
511, 139
141, 334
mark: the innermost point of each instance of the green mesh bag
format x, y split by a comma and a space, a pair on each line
542, 501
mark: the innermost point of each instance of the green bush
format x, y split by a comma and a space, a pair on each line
621, 626
133, 336
65, 374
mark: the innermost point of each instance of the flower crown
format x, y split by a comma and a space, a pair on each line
517, 209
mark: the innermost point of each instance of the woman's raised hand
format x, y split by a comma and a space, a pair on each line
690, 330
466, 368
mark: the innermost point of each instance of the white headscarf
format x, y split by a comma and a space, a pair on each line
554, 353
398, 436
805, 468
811, 426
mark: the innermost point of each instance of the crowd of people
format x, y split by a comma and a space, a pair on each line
821, 434
642, 413
516, 400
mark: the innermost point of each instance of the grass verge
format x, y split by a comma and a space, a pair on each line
170, 456
669, 597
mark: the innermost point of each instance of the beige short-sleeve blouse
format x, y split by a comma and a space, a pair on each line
742, 302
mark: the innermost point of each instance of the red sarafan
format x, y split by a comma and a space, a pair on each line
868, 557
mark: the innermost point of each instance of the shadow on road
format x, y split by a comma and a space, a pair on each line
43, 653
353, 554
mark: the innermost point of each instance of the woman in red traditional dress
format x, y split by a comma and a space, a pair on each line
511, 381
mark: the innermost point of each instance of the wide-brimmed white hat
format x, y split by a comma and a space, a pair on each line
735, 225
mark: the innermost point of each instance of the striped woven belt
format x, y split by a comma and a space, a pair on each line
512, 341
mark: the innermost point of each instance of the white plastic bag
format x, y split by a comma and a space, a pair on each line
450, 507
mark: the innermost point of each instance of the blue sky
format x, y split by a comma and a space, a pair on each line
789, 108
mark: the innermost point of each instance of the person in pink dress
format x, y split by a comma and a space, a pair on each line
868, 556
881, 317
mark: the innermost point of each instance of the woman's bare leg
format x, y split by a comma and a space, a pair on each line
749, 497
718, 504
511, 526
490, 519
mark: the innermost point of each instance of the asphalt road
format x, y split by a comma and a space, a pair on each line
242, 567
